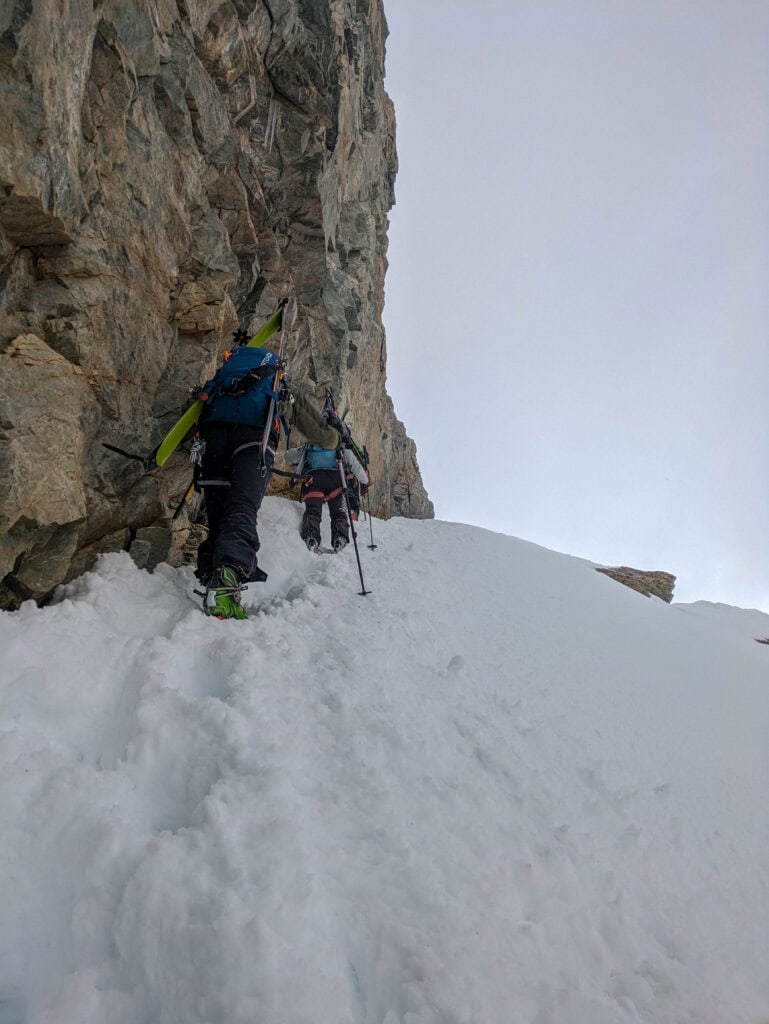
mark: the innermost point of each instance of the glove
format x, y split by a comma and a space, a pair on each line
339, 425
202, 392
284, 391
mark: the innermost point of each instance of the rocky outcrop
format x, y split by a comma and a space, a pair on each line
169, 170
652, 584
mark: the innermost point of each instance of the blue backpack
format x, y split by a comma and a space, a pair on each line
316, 457
242, 390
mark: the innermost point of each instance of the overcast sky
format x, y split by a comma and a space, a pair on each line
577, 301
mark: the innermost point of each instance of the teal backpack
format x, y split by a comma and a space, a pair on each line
316, 457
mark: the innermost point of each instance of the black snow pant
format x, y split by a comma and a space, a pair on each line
232, 455
324, 485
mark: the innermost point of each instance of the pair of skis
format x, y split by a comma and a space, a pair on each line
281, 319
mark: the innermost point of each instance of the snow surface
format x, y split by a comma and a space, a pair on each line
501, 789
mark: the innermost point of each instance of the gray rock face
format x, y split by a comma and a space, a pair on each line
168, 172
652, 584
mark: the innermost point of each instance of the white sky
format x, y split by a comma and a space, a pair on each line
576, 303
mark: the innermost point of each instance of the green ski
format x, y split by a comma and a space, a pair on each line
181, 428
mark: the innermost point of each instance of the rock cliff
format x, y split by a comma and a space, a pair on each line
168, 170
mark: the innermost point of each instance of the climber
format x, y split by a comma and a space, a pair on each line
238, 449
321, 483
325, 474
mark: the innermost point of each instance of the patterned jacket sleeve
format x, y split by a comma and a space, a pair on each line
302, 415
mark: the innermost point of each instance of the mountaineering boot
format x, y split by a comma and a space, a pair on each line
339, 543
223, 595
312, 543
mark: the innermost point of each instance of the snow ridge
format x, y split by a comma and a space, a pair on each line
500, 788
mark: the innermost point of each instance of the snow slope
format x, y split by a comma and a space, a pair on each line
501, 789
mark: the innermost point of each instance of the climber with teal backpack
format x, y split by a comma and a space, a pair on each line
322, 482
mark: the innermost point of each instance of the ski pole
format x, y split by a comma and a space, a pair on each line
187, 495
372, 545
342, 477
